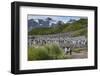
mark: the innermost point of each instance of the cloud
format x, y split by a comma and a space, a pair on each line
55, 18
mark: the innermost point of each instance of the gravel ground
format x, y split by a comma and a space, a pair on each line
81, 55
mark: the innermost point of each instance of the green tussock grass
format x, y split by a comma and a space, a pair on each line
46, 52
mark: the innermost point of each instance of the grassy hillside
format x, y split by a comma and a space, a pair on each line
80, 32
78, 28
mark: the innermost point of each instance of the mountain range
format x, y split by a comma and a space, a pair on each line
78, 27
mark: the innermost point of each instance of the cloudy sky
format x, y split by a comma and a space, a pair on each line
56, 18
